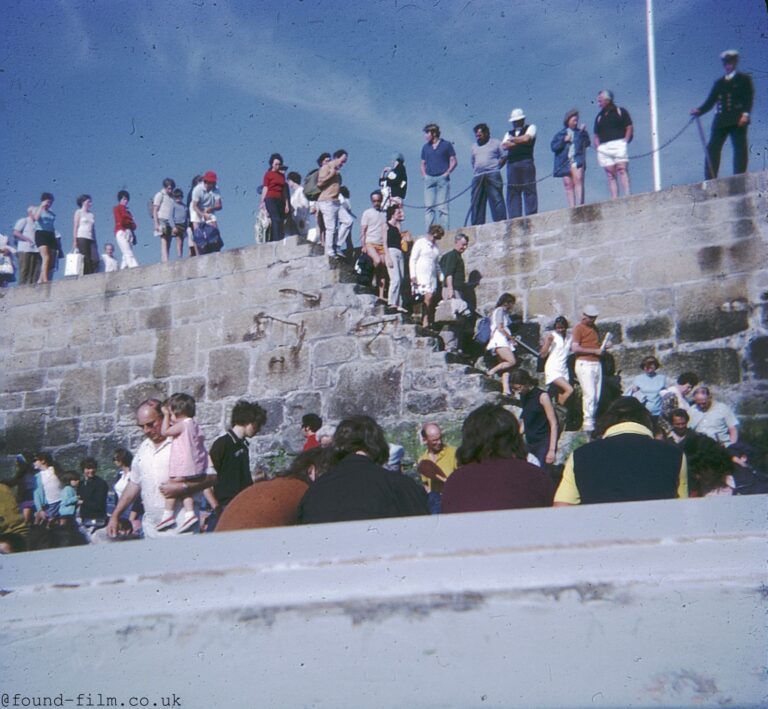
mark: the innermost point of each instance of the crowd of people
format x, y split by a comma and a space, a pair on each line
289, 204
659, 438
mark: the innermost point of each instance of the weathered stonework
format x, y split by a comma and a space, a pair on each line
681, 274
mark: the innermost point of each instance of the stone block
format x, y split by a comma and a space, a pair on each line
40, 398
70, 456
25, 430
228, 372
757, 358
175, 352
26, 342
627, 361
282, 369
363, 388
325, 322
194, 386
142, 367
210, 416
321, 377
137, 344
613, 305
652, 329
9, 402
745, 254
381, 347
157, 318
24, 381
99, 425
81, 392
551, 302
333, 351
92, 353
62, 432
426, 403
132, 396
720, 365
659, 300
81, 332
614, 328
103, 449
426, 380
118, 373
275, 415
711, 326
300, 403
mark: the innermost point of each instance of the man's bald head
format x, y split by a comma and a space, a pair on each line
433, 437
149, 418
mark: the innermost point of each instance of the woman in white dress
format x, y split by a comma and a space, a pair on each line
423, 267
502, 344
556, 347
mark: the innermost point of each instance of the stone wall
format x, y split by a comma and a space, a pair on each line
681, 274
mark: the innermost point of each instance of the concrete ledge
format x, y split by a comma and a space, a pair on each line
642, 604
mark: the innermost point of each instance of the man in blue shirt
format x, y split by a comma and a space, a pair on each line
438, 161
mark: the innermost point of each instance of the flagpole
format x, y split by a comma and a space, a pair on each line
652, 95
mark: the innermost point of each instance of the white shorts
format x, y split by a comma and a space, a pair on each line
612, 153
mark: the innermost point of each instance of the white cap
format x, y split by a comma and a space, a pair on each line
729, 53
516, 115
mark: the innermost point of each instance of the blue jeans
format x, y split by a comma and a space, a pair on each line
488, 188
521, 184
437, 192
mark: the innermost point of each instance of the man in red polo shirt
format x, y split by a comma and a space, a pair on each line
586, 346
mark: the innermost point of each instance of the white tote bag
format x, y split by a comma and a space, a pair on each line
74, 264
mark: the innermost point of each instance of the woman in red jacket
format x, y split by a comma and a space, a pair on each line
124, 226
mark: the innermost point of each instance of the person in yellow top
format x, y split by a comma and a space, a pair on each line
436, 464
626, 463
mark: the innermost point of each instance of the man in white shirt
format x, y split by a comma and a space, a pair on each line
162, 216
713, 418
521, 171
149, 476
28, 255
109, 263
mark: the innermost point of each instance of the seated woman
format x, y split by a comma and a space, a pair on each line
647, 387
357, 486
502, 343
493, 473
538, 417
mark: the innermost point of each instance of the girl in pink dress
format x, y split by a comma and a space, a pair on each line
189, 458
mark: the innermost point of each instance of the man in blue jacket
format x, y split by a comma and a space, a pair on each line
733, 94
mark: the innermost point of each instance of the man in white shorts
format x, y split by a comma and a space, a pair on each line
613, 132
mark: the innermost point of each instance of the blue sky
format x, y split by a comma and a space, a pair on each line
100, 95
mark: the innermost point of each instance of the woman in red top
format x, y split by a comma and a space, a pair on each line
274, 196
124, 226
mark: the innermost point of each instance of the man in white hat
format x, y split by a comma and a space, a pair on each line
521, 172
733, 94
585, 344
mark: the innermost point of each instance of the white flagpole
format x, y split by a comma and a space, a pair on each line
652, 95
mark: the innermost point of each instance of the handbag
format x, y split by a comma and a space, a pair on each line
74, 265
450, 310
6, 266
207, 238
